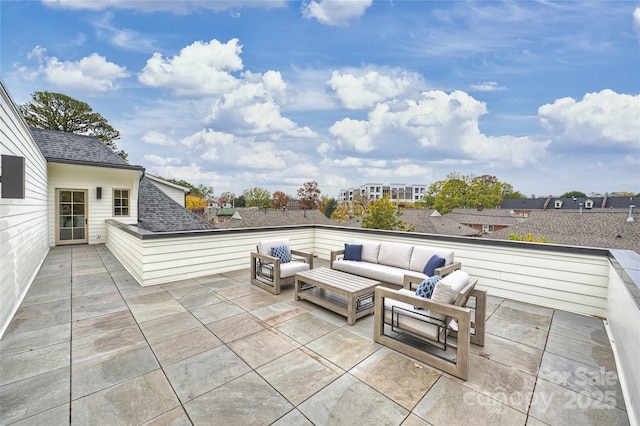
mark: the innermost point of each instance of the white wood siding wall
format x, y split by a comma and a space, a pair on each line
23, 222
175, 194
67, 176
568, 281
623, 317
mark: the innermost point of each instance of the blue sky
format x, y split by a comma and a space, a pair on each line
236, 94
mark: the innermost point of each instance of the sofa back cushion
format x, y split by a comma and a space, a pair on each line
395, 254
421, 255
370, 250
265, 246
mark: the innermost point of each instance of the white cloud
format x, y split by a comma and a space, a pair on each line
253, 109
154, 137
91, 74
487, 86
636, 20
335, 12
358, 90
603, 117
436, 122
161, 161
200, 69
122, 37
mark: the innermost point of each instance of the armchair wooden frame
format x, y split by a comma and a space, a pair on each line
400, 340
265, 270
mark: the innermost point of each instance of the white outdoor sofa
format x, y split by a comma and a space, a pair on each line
389, 262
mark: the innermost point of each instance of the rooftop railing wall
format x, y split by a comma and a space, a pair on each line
590, 281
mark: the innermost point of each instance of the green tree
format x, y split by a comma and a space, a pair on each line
257, 197
383, 214
200, 191
55, 111
309, 196
484, 190
279, 200
572, 194
528, 238
328, 206
451, 196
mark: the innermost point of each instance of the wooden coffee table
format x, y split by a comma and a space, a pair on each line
345, 294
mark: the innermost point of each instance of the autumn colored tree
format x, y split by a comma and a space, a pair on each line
257, 197
55, 111
279, 200
309, 196
195, 202
341, 213
358, 205
383, 214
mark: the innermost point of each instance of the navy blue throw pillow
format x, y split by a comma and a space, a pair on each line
432, 264
426, 287
353, 252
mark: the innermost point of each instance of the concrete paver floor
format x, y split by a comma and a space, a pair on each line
91, 346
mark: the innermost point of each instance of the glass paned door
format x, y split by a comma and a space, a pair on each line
72, 219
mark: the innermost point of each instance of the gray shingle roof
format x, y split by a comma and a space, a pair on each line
79, 149
605, 228
501, 217
272, 217
157, 212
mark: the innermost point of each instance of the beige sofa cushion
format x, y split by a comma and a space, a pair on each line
370, 250
395, 254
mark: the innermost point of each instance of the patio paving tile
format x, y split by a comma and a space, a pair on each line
347, 400
34, 395
247, 400
56, 416
217, 312
400, 378
499, 382
259, 348
452, 403
299, 374
175, 417
183, 345
96, 345
16, 343
108, 370
595, 382
277, 313
532, 336
132, 402
200, 373
512, 354
237, 327
557, 405
237, 354
168, 325
23, 365
343, 348
305, 328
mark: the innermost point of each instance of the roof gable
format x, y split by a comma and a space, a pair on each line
71, 148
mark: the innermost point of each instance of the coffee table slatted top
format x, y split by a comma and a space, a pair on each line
340, 282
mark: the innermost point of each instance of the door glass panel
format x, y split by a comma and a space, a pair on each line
78, 209
65, 234
65, 196
78, 197
78, 233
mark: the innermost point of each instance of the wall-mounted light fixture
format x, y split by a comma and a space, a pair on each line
99, 193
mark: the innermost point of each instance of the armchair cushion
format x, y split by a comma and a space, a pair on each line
353, 252
265, 246
432, 264
282, 253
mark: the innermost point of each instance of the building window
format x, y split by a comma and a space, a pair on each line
121, 202
487, 229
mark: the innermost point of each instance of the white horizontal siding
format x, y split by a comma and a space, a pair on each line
176, 194
67, 176
23, 222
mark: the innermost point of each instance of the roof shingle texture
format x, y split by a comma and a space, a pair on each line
272, 217
603, 228
62, 146
157, 212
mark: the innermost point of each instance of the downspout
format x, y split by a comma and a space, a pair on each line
138, 207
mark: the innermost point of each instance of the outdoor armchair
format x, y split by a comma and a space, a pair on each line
437, 333
274, 264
